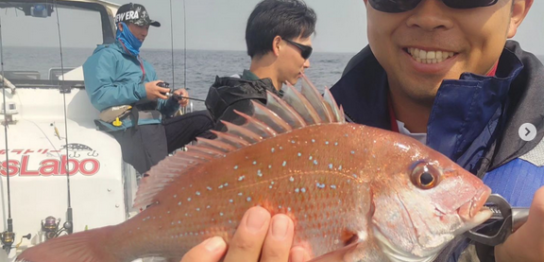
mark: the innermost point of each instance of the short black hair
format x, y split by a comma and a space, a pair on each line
288, 19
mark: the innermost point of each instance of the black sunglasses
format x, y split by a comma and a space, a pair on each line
305, 51
398, 6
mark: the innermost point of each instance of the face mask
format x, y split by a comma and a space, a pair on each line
131, 43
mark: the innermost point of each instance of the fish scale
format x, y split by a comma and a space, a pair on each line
355, 193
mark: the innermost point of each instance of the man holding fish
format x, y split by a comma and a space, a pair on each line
443, 72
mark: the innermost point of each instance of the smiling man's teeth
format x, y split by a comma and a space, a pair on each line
429, 57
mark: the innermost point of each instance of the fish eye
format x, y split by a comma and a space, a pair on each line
425, 176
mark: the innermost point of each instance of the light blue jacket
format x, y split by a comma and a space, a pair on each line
113, 77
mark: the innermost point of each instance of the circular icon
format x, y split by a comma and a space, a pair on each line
527, 132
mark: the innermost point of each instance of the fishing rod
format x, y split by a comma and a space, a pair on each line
184, 46
68, 226
177, 97
8, 237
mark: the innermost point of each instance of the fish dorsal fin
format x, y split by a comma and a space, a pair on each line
296, 110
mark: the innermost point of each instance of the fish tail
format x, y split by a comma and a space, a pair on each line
88, 246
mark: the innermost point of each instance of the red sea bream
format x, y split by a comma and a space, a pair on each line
382, 194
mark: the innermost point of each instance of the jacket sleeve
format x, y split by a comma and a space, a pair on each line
99, 75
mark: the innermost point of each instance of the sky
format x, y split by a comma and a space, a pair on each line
220, 25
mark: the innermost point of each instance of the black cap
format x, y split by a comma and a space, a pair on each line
134, 13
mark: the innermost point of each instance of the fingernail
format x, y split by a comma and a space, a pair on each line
214, 244
280, 224
256, 219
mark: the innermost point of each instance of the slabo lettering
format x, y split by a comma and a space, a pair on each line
127, 16
49, 167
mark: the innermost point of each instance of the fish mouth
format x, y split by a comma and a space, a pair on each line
473, 211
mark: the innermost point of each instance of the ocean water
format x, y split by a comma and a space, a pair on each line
201, 68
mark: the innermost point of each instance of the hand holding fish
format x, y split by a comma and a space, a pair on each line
258, 234
527, 243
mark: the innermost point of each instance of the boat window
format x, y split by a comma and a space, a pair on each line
31, 45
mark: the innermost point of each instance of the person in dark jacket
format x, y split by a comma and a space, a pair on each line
116, 75
278, 41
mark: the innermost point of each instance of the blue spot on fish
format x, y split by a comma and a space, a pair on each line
241, 178
240, 194
336, 144
297, 190
299, 154
303, 190
179, 204
259, 173
353, 152
340, 168
284, 163
208, 207
221, 214
313, 140
326, 142
330, 166
333, 186
175, 196
354, 175
231, 201
293, 141
226, 184
209, 188
189, 199
321, 186
197, 193
248, 199
198, 209
272, 150
269, 166
254, 162
235, 167
315, 162
291, 179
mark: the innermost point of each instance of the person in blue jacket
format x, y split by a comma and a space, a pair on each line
116, 75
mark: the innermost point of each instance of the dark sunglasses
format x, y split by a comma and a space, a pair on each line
305, 51
398, 6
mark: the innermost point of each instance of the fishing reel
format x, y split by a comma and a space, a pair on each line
169, 93
50, 226
7, 238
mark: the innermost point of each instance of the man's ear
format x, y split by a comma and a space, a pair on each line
520, 8
276, 45
120, 26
